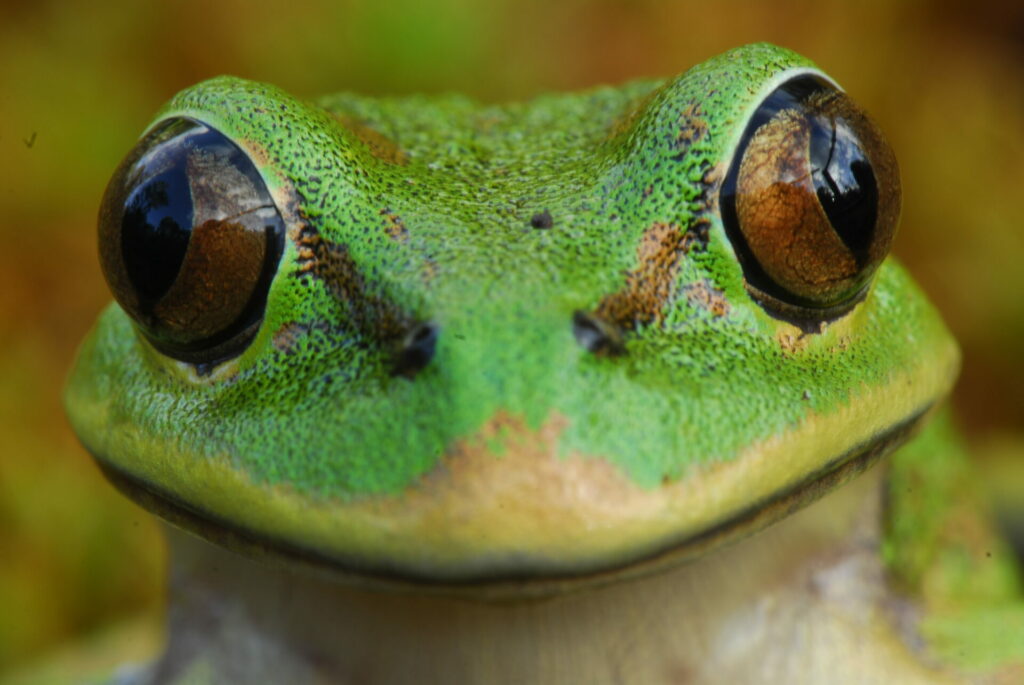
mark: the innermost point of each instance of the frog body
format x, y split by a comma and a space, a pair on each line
501, 351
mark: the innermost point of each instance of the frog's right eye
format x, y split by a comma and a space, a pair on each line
811, 199
189, 240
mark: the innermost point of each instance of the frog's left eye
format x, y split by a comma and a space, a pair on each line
811, 199
189, 240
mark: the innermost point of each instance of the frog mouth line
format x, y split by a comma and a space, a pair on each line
510, 586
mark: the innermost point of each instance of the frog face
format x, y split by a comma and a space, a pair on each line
424, 340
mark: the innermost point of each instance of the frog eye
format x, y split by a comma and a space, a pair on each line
811, 199
189, 239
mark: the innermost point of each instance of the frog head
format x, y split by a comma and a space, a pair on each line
422, 341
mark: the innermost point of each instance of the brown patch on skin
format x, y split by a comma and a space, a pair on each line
532, 476
259, 154
287, 337
372, 315
792, 340
698, 231
394, 226
711, 184
508, 470
379, 145
706, 296
842, 344
692, 128
712, 180
652, 283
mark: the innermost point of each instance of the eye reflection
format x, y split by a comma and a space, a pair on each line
155, 232
844, 183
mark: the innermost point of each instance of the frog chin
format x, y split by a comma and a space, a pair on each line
812, 587
527, 523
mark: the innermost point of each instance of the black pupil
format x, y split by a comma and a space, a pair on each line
155, 231
845, 184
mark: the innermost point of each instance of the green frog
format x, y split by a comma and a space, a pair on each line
437, 391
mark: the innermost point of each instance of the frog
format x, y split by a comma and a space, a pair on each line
612, 386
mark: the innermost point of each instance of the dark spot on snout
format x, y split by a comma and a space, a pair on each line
596, 335
542, 220
416, 351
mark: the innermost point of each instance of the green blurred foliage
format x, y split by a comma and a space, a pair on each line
78, 82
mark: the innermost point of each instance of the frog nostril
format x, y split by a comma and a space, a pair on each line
416, 350
542, 220
596, 335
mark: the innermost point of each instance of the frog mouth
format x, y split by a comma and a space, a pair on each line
524, 584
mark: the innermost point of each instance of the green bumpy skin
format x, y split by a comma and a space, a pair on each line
423, 210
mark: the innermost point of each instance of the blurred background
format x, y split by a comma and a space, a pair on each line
79, 81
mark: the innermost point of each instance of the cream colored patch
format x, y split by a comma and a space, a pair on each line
184, 371
507, 487
791, 339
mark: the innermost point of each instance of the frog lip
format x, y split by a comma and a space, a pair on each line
511, 585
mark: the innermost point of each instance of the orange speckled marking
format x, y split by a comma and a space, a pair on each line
394, 226
286, 338
792, 340
706, 296
652, 283
373, 315
692, 128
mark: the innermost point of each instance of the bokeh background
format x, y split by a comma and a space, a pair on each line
79, 81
